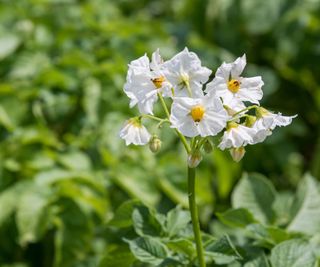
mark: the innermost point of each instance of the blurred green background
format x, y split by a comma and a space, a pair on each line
63, 168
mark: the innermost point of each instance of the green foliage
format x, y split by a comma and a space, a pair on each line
67, 181
286, 246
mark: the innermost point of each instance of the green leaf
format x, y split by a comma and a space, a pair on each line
91, 99
221, 251
118, 256
255, 193
145, 222
123, 215
260, 15
148, 250
282, 206
267, 236
184, 246
293, 253
8, 44
75, 160
74, 235
9, 199
5, 119
177, 220
236, 217
260, 261
33, 214
306, 207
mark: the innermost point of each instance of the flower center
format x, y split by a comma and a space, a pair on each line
234, 85
197, 113
158, 81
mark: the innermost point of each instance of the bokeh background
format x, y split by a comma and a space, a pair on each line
63, 168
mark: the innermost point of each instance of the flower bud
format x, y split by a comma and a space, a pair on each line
250, 120
237, 153
194, 159
155, 144
207, 146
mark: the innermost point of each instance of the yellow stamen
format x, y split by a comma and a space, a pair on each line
197, 113
158, 81
234, 85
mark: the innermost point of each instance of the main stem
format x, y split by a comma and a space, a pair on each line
191, 193
194, 215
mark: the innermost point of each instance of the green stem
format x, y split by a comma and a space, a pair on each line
194, 215
245, 109
152, 117
182, 138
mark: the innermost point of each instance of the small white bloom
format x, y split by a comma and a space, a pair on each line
232, 88
185, 73
145, 80
271, 120
203, 116
237, 135
133, 132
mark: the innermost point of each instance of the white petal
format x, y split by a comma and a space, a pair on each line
212, 123
133, 134
280, 120
140, 64
224, 71
238, 66
250, 90
237, 137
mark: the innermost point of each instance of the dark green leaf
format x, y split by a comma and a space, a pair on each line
145, 222
255, 193
148, 249
123, 215
177, 220
236, 217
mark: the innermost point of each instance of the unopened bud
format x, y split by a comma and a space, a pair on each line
194, 159
207, 146
250, 120
237, 153
155, 144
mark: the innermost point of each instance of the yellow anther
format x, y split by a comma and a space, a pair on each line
158, 81
197, 113
234, 85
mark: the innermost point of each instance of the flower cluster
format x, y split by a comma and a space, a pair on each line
199, 108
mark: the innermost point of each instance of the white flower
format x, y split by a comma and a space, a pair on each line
133, 132
232, 88
237, 135
203, 116
145, 80
271, 120
185, 73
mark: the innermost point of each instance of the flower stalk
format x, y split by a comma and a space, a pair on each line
194, 215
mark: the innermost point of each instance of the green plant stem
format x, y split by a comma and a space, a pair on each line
191, 193
152, 117
182, 138
194, 215
245, 109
